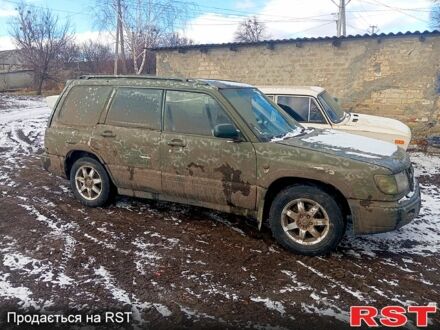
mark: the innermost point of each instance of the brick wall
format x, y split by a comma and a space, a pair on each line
392, 76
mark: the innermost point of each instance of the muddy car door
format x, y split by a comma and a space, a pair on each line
73, 121
128, 138
198, 166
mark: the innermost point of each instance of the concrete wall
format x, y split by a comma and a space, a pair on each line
16, 80
393, 76
13, 74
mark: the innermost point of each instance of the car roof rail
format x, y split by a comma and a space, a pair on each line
86, 77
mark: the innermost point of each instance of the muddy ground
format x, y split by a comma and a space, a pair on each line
187, 267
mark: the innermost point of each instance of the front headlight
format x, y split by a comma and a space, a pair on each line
392, 184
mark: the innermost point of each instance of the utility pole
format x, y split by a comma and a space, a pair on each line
344, 22
373, 29
121, 38
115, 66
341, 23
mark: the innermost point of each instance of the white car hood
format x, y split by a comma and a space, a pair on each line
368, 123
51, 101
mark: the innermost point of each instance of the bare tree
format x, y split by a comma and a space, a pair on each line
40, 39
251, 30
175, 39
96, 57
69, 53
145, 24
435, 14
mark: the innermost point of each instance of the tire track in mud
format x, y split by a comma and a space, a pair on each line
172, 264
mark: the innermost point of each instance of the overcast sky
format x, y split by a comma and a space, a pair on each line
215, 21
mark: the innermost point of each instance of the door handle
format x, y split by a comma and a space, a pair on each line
176, 143
108, 134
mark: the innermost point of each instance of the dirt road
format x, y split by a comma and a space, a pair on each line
172, 265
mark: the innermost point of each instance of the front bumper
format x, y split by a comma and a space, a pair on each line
371, 217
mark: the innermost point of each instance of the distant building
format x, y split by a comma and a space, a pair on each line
13, 74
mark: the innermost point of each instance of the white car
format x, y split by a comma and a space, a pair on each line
51, 101
314, 107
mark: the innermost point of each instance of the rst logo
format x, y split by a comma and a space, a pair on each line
390, 316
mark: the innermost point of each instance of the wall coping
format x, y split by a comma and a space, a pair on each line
336, 41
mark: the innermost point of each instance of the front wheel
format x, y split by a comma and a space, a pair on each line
306, 220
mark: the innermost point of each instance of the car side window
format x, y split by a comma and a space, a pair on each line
136, 107
315, 113
83, 105
192, 113
296, 106
301, 108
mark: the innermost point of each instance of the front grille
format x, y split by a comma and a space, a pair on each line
410, 174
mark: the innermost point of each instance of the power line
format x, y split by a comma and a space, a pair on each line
195, 9
396, 9
52, 9
312, 28
425, 10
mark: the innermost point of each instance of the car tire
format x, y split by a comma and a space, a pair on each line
306, 220
90, 182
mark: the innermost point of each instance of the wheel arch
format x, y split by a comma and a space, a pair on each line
76, 154
281, 183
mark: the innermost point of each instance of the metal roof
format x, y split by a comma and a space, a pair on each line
299, 40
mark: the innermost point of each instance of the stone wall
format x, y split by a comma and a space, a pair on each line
395, 76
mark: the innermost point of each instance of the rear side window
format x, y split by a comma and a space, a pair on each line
84, 104
136, 107
192, 113
301, 108
297, 107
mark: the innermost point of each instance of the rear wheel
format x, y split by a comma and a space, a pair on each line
306, 220
90, 182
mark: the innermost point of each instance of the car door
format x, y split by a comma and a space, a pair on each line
303, 109
201, 168
128, 138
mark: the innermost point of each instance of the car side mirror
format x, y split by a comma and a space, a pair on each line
226, 131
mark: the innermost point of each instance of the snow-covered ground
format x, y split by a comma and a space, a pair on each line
171, 264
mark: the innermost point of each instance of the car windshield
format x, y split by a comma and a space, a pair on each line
331, 107
266, 120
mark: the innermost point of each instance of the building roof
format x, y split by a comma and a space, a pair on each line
292, 90
270, 43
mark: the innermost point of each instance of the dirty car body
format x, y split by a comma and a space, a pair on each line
313, 106
225, 146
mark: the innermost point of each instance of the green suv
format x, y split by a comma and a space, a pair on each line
226, 146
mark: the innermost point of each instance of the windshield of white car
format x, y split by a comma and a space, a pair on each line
331, 107
266, 120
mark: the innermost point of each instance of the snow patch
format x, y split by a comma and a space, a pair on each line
119, 294
270, 304
364, 145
